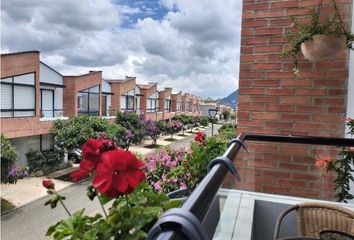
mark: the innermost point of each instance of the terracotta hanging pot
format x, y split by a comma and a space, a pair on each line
324, 47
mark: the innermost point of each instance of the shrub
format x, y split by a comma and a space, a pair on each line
204, 121
8, 158
15, 174
174, 126
134, 123
43, 162
152, 131
161, 124
228, 131
71, 134
117, 133
226, 113
164, 172
202, 153
184, 119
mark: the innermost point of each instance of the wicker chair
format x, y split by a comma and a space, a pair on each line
312, 218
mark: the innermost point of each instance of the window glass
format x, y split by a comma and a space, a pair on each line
6, 96
24, 97
130, 102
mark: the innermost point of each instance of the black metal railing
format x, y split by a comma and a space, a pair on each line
186, 223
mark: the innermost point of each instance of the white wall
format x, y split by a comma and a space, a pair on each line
106, 86
24, 145
48, 75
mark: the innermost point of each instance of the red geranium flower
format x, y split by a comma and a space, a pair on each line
48, 184
91, 151
200, 137
119, 172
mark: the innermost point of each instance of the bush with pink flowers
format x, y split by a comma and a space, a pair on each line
165, 170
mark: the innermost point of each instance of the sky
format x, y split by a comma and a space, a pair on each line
189, 45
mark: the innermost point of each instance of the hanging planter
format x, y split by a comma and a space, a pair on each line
319, 40
322, 47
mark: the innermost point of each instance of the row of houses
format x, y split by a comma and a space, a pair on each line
33, 95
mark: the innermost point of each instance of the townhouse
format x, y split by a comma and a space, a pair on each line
165, 103
34, 94
176, 103
31, 98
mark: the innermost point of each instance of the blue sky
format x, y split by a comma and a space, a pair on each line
153, 9
190, 45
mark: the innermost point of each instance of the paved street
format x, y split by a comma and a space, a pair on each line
31, 221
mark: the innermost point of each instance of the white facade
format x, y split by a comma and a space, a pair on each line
25, 144
51, 92
106, 89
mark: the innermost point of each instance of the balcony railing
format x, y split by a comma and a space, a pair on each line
192, 220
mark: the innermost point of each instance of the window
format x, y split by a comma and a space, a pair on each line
151, 105
88, 101
179, 105
130, 103
168, 105
187, 107
47, 103
18, 96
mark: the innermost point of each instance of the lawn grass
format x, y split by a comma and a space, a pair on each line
6, 206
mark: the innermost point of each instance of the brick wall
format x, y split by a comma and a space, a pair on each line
74, 84
275, 101
16, 64
174, 98
119, 88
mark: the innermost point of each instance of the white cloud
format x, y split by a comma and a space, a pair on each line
195, 47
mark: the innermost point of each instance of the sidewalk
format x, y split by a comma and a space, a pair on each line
30, 189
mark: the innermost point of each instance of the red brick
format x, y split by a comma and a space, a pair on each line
311, 92
295, 117
268, 49
265, 66
264, 115
296, 100
280, 91
251, 91
280, 108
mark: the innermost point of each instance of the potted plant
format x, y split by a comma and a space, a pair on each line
320, 39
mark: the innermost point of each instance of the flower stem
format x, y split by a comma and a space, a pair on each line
62, 203
104, 210
127, 205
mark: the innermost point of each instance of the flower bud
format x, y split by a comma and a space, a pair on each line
48, 184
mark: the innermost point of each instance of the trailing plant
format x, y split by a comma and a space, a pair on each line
300, 32
117, 177
343, 166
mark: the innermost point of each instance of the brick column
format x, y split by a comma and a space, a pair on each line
275, 101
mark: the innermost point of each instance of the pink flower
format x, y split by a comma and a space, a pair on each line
157, 186
182, 185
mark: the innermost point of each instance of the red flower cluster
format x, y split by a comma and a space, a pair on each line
200, 137
116, 171
322, 162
